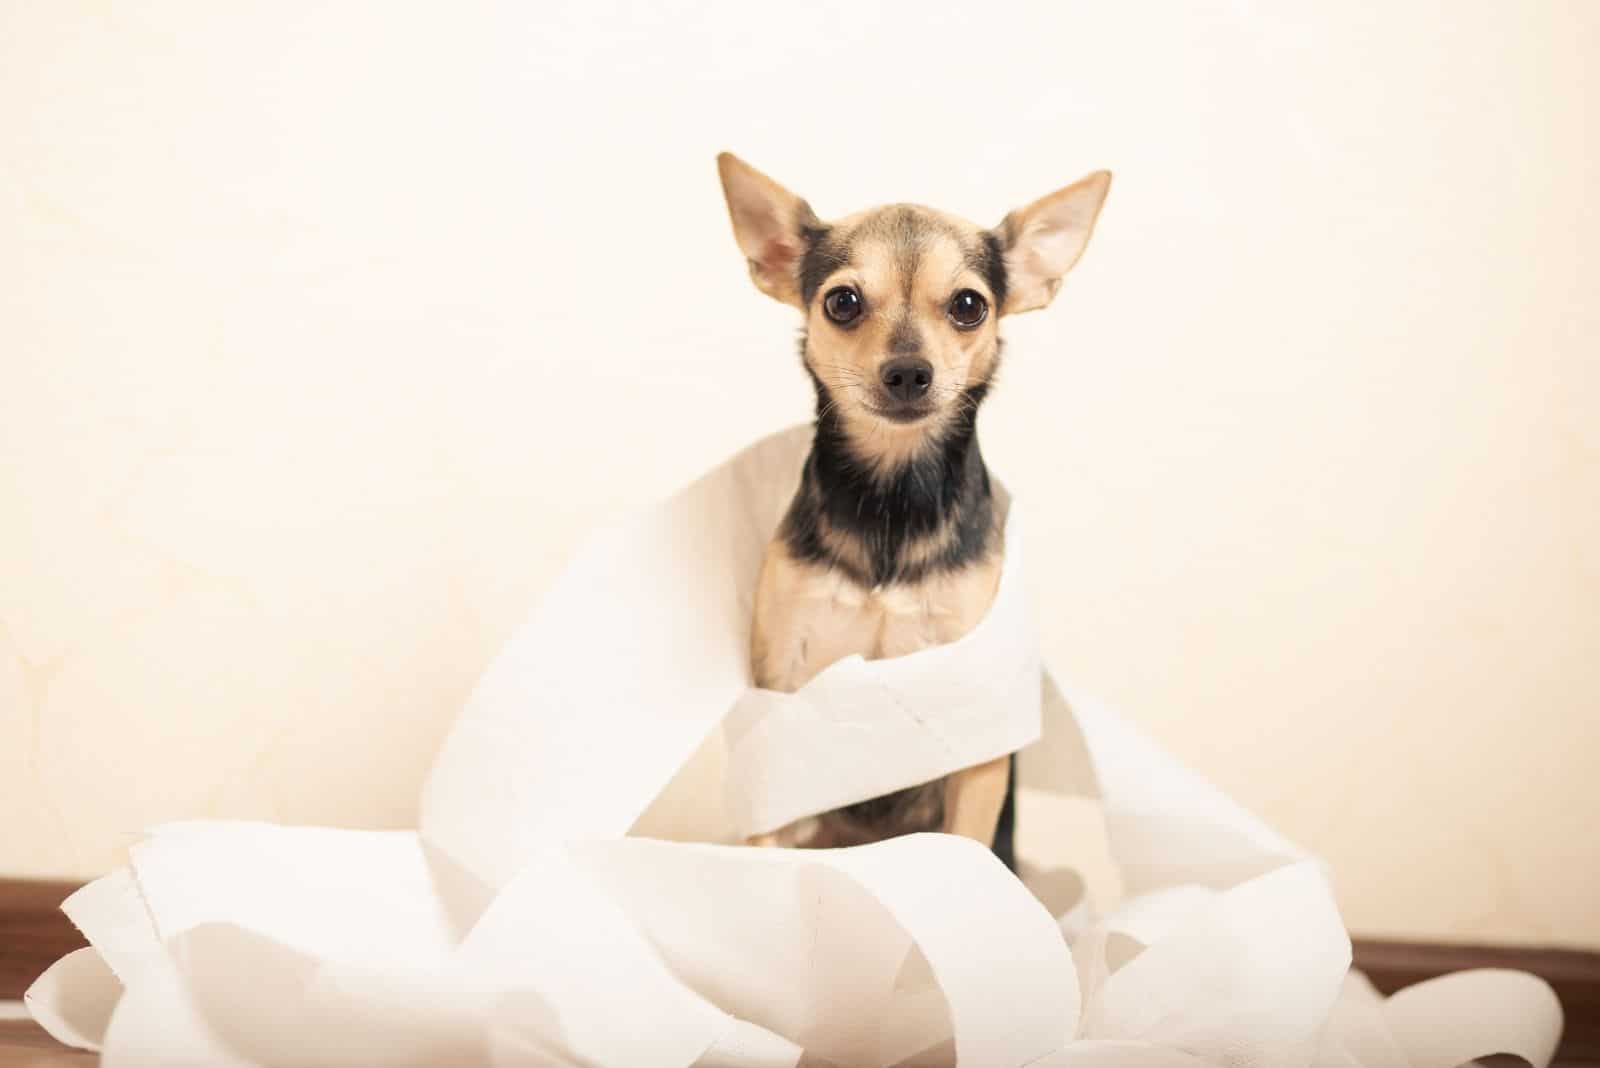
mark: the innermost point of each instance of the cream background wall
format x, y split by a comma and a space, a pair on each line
326, 331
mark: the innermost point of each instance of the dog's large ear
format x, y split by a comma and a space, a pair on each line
1043, 240
769, 222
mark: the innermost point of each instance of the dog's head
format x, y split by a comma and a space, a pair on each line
902, 302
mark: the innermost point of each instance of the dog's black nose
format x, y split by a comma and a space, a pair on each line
908, 378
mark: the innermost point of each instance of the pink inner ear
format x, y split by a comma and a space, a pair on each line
778, 253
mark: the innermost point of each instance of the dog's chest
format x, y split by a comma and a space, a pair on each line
808, 617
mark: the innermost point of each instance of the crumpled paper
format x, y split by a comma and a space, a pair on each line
571, 897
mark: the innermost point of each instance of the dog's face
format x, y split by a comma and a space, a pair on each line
902, 303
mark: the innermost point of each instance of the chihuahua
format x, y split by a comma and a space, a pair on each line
893, 540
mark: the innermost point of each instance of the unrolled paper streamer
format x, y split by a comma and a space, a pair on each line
522, 926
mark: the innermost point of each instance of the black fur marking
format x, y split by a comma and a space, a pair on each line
990, 262
824, 255
1005, 831
916, 808
943, 493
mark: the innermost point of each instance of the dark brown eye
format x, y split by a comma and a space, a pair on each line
968, 308
843, 305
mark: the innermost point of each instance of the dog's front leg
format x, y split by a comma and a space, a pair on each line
806, 617
973, 798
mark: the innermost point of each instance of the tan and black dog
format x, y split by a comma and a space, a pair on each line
893, 541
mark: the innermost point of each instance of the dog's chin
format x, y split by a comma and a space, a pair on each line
904, 415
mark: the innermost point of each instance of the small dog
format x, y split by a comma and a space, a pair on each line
893, 540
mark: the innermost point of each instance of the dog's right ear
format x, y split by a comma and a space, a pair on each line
769, 222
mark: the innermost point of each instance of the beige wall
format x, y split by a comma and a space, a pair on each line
326, 331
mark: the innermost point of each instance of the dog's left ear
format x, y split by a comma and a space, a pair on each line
769, 222
1043, 240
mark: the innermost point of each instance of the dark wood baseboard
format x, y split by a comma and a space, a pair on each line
33, 933
1573, 973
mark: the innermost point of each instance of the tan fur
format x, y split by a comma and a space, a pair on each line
807, 617
907, 262
848, 361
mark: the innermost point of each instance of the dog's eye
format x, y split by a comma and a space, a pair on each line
968, 308
843, 305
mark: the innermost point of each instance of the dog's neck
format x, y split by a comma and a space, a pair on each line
928, 511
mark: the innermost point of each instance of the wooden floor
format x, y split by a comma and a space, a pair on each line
34, 932
23, 1045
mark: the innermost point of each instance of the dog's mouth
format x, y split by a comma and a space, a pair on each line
904, 414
